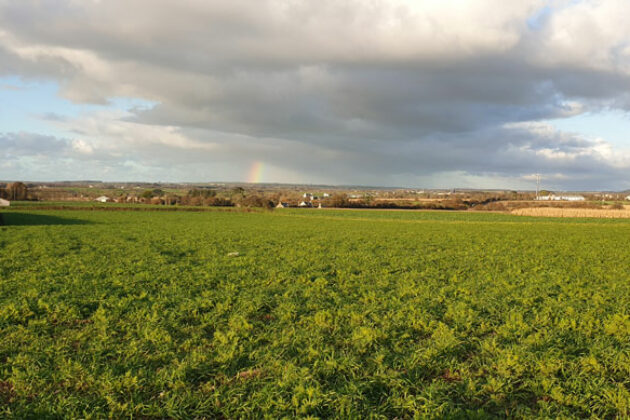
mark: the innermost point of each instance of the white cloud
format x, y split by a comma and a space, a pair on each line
82, 147
588, 34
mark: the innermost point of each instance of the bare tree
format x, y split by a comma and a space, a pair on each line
17, 191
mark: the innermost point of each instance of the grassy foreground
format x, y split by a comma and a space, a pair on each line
350, 314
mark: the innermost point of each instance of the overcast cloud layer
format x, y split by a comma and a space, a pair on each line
399, 92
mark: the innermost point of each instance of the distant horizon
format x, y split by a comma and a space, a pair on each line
340, 186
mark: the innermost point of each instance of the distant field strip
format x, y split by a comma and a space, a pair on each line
571, 212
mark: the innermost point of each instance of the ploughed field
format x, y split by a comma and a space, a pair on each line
321, 313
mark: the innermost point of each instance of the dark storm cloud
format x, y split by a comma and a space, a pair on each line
17, 144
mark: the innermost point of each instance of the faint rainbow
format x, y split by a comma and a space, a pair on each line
255, 172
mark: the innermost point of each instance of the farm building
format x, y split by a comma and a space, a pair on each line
553, 197
4, 203
103, 199
305, 204
282, 205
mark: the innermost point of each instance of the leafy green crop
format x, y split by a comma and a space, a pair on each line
312, 314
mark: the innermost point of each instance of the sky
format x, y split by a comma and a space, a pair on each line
409, 93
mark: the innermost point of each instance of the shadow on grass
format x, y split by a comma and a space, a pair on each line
34, 219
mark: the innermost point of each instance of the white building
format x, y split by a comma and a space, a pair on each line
4, 203
553, 197
102, 199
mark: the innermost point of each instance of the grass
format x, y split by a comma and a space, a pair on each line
322, 314
76, 204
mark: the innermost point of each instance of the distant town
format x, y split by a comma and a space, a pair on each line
299, 196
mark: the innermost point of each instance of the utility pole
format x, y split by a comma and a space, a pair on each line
537, 185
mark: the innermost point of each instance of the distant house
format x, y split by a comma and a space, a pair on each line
282, 205
103, 199
305, 204
628, 197
4, 203
326, 195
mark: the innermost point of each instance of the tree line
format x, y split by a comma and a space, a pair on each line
15, 191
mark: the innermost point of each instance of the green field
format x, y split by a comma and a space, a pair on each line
348, 314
